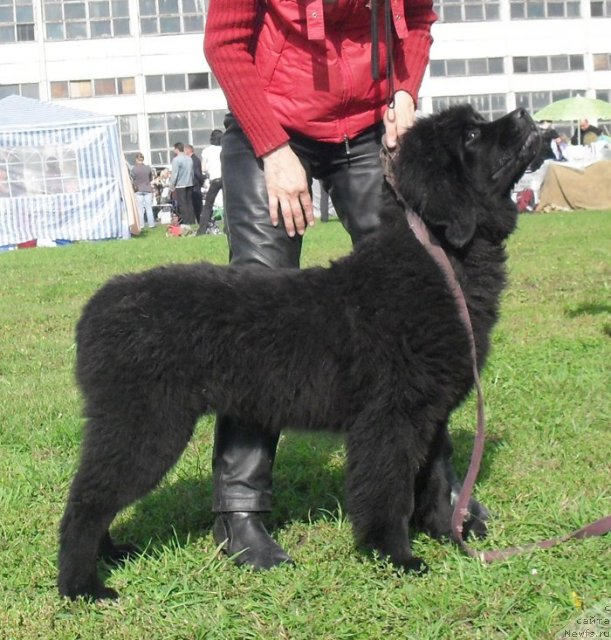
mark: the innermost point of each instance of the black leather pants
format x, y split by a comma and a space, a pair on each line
352, 175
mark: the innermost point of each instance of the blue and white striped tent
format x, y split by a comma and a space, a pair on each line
60, 174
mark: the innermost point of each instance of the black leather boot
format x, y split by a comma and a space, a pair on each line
246, 540
242, 466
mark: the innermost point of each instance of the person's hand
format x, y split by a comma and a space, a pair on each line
398, 119
287, 190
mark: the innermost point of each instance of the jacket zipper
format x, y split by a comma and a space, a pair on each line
347, 145
347, 93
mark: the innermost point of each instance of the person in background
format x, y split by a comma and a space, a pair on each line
551, 145
211, 164
181, 183
585, 128
551, 141
198, 181
142, 176
162, 186
312, 90
178, 230
53, 176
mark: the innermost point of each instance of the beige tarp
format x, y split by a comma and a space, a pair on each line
575, 188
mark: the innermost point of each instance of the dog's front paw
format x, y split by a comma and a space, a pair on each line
91, 592
413, 565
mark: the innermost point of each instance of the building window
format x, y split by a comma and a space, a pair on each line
523, 10
28, 90
81, 19
548, 64
126, 86
188, 127
171, 16
600, 9
491, 106
128, 129
468, 67
59, 90
602, 62
154, 84
80, 88
105, 87
467, 10
91, 88
114, 86
16, 21
198, 81
177, 82
604, 94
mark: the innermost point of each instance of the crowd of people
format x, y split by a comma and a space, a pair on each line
188, 188
555, 145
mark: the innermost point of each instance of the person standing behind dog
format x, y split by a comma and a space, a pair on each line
312, 88
181, 183
584, 129
198, 181
211, 163
142, 176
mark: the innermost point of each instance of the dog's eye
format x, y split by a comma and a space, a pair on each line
472, 136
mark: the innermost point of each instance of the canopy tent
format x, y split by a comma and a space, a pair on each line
61, 174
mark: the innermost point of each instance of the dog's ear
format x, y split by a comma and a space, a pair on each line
460, 230
444, 204
431, 180
455, 216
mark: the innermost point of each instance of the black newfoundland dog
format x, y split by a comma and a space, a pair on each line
372, 347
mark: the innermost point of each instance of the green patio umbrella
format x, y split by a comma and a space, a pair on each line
575, 108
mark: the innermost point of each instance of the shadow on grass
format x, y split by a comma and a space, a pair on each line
463, 440
588, 309
308, 485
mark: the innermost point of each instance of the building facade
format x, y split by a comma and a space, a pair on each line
142, 61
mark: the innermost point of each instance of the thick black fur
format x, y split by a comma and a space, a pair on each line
372, 347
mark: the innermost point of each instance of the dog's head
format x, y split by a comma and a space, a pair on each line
456, 170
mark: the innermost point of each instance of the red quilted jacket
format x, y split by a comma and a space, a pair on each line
305, 65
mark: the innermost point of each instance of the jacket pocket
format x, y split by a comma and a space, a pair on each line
270, 46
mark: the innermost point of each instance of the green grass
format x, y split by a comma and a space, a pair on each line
545, 472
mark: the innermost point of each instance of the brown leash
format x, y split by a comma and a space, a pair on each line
461, 508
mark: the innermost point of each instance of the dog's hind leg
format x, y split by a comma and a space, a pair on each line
114, 553
381, 490
433, 508
121, 461
437, 488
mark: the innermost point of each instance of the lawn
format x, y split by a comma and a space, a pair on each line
545, 471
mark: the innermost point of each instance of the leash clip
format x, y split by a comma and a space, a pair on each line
387, 159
